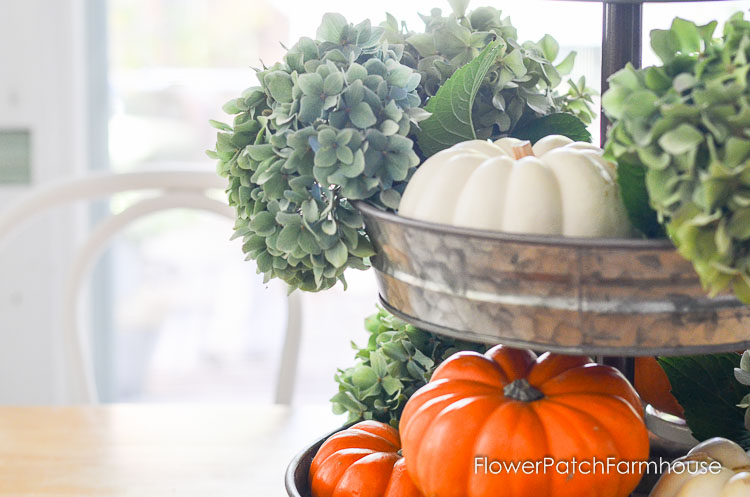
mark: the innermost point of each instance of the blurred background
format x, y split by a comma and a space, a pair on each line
174, 312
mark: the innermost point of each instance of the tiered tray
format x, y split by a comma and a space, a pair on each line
620, 298
576, 296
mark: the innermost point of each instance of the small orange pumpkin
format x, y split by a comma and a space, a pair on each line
361, 461
511, 407
653, 386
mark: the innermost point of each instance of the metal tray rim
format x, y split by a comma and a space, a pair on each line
290, 479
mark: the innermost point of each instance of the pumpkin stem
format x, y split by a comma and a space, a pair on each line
522, 150
522, 390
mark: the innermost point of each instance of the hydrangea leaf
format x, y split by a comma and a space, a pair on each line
706, 388
554, 124
451, 108
631, 177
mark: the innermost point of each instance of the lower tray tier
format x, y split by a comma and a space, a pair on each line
297, 482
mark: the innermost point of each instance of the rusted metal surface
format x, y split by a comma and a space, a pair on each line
572, 295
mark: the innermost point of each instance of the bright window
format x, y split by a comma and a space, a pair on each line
191, 320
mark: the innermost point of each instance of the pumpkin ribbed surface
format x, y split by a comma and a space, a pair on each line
510, 406
362, 461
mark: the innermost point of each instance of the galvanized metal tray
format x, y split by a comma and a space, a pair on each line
296, 478
572, 295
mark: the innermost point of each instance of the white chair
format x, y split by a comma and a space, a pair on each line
173, 189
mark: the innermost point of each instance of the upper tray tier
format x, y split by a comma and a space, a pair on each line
571, 295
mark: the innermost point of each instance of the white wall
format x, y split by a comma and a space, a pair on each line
41, 88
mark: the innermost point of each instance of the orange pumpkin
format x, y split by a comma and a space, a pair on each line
508, 406
653, 386
362, 461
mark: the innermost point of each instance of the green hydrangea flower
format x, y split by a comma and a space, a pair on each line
686, 123
328, 125
519, 87
397, 360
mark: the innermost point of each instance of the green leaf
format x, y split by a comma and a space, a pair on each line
392, 385
328, 227
389, 127
627, 77
326, 157
640, 104
338, 409
515, 62
308, 243
362, 116
264, 223
219, 125
665, 44
688, 37
706, 388
613, 101
234, 106
451, 108
344, 155
310, 210
331, 28
554, 124
415, 370
355, 72
739, 224
422, 359
395, 350
338, 254
347, 400
364, 377
379, 365
333, 83
459, 7
745, 361
260, 152
742, 376
680, 140
287, 240
424, 43
311, 84
280, 85
631, 177
550, 47
566, 66
390, 198
310, 108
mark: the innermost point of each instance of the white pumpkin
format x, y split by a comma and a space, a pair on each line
556, 187
729, 478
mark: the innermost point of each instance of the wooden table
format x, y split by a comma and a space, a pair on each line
153, 451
